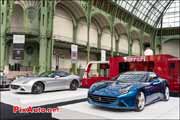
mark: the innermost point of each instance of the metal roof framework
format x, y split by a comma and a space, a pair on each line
149, 11
172, 16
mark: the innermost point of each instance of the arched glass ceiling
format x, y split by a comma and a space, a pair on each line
172, 15
147, 10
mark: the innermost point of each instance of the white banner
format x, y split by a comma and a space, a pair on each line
74, 53
103, 55
18, 39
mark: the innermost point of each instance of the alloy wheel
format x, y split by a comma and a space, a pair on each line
141, 101
37, 88
167, 93
73, 85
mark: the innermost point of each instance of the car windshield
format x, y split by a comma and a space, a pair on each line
128, 78
47, 74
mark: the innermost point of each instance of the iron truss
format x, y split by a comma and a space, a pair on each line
144, 11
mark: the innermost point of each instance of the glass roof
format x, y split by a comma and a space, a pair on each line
147, 10
172, 15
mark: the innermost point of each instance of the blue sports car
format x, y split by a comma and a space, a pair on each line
130, 90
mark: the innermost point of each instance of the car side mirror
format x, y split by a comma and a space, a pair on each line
56, 77
155, 82
152, 78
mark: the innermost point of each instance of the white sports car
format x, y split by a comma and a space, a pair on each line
47, 81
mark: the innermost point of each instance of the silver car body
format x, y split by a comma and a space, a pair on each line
25, 84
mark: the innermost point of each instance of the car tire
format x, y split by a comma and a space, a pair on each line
74, 85
166, 93
38, 88
140, 101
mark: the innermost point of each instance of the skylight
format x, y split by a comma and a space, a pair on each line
149, 11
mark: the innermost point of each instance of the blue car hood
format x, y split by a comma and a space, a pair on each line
113, 88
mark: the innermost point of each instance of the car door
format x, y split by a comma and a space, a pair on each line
61, 80
67, 79
153, 88
52, 82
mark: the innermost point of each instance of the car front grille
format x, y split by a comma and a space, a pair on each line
15, 86
102, 99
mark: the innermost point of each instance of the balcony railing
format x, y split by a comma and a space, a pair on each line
62, 38
80, 42
25, 30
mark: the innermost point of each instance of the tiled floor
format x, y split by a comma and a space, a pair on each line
26, 100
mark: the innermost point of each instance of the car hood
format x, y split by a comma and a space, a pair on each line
113, 88
24, 79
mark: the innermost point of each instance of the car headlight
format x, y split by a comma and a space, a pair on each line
124, 90
95, 85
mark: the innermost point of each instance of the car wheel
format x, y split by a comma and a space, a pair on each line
166, 93
37, 88
74, 85
140, 101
